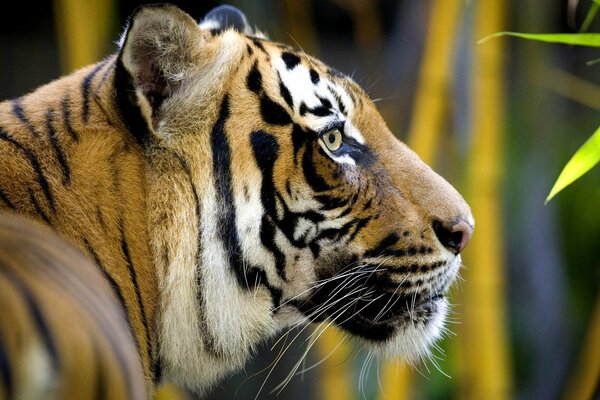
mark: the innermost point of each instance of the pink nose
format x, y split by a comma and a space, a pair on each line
456, 238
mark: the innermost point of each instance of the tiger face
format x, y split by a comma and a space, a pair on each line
277, 195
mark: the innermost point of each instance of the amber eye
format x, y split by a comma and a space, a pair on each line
332, 140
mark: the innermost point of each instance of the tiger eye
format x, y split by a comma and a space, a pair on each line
333, 140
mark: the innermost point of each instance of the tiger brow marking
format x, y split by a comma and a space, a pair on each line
36, 313
28, 153
17, 110
85, 89
58, 151
342, 107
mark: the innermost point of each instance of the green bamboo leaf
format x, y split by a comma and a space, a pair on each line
582, 161
579, 39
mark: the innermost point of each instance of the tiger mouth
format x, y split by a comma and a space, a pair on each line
365, 310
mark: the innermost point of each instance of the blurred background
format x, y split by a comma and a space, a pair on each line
498, 120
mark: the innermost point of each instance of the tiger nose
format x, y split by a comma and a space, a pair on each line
456, 237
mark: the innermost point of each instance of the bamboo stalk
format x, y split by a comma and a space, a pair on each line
484, 333
396, 381
84, 30
571, 86
434, 79
336, 382
586, 377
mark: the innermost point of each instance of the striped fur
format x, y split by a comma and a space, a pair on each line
195, 168
62, 332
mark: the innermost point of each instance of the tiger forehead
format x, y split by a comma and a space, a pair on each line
305, 72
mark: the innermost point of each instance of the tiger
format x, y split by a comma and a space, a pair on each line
228, 187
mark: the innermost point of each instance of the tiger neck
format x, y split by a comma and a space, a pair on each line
93, 190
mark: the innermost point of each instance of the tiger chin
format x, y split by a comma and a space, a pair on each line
229, 187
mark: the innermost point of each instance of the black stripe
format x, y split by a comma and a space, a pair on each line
138, 295
85, 90
316, 181
17, 109
285, 93
325, 102
267, 238
259, 276
127, 106
359, 227
36, 167
105, 75
338, 98
4, 197
58, 151
221, 163
259, 45
38, 209
303, 108
331, 202
272, 113
266, 152
37, 316
6, 373
314, 76
254, 79
319, 111
290, 59
66, 112
157, 370
115, 287
100, 378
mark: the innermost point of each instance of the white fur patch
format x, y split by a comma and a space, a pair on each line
40, 378
304, 91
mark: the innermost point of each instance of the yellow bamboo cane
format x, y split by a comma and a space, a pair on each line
336, 382
434, 78
427, 122
586, 376
484, 331
84, 30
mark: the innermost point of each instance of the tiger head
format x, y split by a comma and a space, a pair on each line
278, 196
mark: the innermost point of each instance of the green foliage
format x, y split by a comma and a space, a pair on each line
582, 161
588, 155
577, 39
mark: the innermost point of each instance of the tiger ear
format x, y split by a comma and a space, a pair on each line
226, 17
157, 52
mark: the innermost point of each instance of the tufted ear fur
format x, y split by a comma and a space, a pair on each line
158, 51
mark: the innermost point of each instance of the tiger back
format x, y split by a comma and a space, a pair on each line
229, 188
